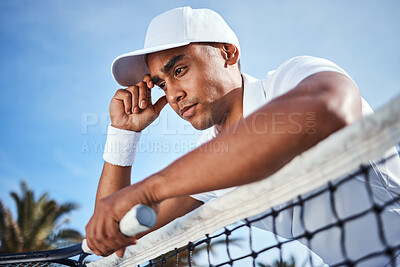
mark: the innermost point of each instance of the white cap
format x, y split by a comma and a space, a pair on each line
174, 28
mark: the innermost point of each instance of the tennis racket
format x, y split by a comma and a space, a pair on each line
140, 218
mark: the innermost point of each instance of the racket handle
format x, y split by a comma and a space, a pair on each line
85, 247
138, 219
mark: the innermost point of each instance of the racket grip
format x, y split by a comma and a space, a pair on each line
138, 219
85, 247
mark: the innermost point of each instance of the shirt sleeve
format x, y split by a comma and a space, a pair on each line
204, 197
293, 71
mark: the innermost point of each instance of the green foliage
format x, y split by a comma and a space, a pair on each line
38, 225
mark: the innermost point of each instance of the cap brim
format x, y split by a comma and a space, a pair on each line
128, 69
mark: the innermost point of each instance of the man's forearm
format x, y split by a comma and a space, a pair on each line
112, 179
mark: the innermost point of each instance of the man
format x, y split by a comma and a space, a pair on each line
193, 56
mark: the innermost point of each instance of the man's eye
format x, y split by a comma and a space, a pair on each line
161, 85
178, 71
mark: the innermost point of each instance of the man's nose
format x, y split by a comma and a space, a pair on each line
175, 94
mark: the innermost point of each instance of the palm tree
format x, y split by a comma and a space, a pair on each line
38, 225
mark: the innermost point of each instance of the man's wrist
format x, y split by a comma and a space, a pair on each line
121, 146
160, 187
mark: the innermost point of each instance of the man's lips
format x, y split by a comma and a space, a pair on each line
188, 111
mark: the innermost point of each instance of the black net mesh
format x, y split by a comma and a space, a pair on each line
239, 244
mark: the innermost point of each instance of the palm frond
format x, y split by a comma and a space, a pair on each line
37, 224
68, 234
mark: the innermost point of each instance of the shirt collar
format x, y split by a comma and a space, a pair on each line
253, 98
253, 94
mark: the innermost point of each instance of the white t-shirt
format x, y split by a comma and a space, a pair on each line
362, 235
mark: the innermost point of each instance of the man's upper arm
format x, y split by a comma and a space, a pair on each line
337, 95
319, 78
290, 73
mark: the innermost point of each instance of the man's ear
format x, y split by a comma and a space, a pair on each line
231, 54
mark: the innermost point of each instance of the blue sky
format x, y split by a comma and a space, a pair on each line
55, 81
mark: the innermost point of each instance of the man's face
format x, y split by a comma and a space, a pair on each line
194, 83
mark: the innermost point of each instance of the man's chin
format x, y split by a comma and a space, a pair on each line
201, 125
197, 123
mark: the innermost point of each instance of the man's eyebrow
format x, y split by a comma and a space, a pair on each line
167, 67
155, 79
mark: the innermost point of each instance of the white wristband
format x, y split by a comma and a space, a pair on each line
120, 148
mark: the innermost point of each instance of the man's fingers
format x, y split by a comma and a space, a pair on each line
150, 84
148, 81
120, 252
160, 104
96, 243
131, 241
92, 247
134, 90
104, 245
126, 97
143, 91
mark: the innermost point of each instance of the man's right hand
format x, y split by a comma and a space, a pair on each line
132, 109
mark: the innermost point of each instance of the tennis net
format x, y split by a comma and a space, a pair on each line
337, 203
